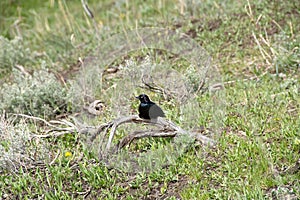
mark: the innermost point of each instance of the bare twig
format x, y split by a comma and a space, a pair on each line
35, 118
154, 87
142, 134
56, 133
91, 15
22, 69
55, 158
55, 130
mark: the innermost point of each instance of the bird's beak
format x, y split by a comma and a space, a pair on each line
137, 97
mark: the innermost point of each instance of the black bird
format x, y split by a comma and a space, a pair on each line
148, 109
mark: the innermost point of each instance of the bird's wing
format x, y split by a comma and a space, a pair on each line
155, 111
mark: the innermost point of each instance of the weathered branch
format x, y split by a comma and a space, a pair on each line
165, 128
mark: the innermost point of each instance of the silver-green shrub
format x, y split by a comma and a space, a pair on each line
39, 95
12, 52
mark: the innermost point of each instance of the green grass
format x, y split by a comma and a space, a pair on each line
253, 44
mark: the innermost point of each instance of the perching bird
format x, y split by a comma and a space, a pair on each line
148, 109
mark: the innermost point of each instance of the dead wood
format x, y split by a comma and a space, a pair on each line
163, 128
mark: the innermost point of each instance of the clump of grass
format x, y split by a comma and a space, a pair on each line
14, 149
288, 54
280, 51
12, 143
38, 95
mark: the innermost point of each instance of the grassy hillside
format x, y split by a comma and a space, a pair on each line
56, 59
